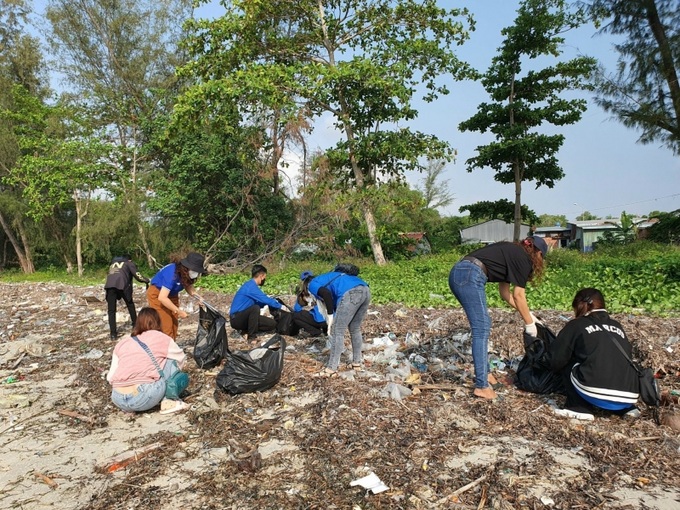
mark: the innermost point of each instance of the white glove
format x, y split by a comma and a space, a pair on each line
536, 319
329, 321
531, 329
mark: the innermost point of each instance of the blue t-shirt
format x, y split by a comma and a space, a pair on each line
250, 294
167, 277
316, 314
336, 283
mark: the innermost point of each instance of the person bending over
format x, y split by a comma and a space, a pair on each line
306, 313
119, 286
507, 264
594, 370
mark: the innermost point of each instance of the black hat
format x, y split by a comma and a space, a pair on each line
194, 262
540, 244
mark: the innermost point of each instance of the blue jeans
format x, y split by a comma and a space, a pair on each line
468, 283
148, 395
349, 314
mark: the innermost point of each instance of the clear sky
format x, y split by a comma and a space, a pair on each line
606, 170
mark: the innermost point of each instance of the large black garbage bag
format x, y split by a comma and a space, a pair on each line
211, 338
533, 373
255, 370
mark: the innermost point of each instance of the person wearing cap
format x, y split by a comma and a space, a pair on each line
508, 264
119, 286
306, 313
244, 313
163, 292
344, 299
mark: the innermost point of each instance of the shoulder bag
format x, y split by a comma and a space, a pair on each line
176, 383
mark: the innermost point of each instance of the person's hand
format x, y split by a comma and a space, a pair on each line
536, 319
531, 329
182, 314
329, 321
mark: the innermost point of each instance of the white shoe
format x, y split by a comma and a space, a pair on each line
174, 406
568, 413
633, 413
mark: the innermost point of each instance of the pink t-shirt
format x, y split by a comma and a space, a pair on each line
130, 363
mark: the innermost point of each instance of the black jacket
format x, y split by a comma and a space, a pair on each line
121, 272
599, 367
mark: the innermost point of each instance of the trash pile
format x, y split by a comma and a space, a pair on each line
404, 432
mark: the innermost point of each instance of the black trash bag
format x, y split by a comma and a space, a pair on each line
243, 374
284, 323
533, 373
211, 338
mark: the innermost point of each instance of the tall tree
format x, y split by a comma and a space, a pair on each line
435, 190
523, 102
21, 64
643, 92
120, 57
359, 60
499, 209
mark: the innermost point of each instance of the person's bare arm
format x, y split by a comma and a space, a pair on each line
504, 290
520, 299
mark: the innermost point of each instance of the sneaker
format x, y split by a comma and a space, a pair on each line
632, 414
568, 413
173, 406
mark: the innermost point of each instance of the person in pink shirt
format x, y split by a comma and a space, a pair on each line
137, 384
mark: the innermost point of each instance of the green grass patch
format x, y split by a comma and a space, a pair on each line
639, 278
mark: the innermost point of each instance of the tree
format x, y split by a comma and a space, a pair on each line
625, 231
551, 220
667, 229
587, 216
21, 65
120, 57
500, 209
435, 192
644, 92
523, 103
62, 160
359, 60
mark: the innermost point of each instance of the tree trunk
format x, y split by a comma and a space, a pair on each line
517, 230
79, 254
24, 255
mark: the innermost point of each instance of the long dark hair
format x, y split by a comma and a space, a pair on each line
147, 319
586, 300
537, 262
303, 295
181, 272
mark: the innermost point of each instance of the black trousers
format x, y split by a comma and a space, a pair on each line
250, 321
112, 297
574, 401
305, 320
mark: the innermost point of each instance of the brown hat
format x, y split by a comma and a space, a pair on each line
194, 262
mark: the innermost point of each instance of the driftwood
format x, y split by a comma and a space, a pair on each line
123, 459
52, 484
81, 417
463, 489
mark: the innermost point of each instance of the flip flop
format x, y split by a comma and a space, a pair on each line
325, 373
178, 407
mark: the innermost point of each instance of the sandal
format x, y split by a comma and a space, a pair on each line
357, 367
325, 373
178, 406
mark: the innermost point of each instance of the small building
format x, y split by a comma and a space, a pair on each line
556, 236
491, 231
585, 234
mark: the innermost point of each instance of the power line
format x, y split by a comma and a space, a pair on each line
631, 203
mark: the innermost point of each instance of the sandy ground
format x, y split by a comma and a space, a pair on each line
302, 443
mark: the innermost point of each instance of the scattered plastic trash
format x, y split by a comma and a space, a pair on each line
93, 354
412, 339
547, 501
436, 296
418, 362
371, 482
383, 341
396, 391
11, 379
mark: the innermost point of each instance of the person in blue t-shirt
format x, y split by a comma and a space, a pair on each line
244, 314
344, 299
306, 313
163, 292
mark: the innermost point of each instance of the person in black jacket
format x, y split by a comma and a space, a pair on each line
119, 286
594, 369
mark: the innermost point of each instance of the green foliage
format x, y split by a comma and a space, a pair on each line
522, 103
667, 230
500, 209
640, 277
551, 220
643, 92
